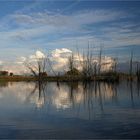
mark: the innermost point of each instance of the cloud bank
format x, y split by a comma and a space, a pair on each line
58, 59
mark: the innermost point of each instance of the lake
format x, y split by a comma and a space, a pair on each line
69, 110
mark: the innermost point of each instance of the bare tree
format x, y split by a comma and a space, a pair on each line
38, 67
73, 70
89, 66
100, 61
131, 64
115, 65
71, 62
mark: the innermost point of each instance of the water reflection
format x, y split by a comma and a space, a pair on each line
81, 110
37, 94
90, 96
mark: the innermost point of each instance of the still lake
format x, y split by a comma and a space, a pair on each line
69, 110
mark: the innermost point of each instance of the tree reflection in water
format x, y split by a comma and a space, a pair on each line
138, 88
40, 87
131, 93
89, 96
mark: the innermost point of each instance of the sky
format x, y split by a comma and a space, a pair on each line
54, 25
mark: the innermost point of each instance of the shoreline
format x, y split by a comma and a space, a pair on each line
105, 78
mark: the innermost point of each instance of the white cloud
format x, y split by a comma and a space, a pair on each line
58, 59
38, 55
18, 66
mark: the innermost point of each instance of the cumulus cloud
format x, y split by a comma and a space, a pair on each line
58, 60
18, 66
38, 55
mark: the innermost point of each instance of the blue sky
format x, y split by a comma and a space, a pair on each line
27, 26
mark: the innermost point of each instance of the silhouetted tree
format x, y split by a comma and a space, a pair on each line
131, 64
3, 73
72, 70
38, 68
11, 74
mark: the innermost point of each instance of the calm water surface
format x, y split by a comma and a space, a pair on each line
69, 110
